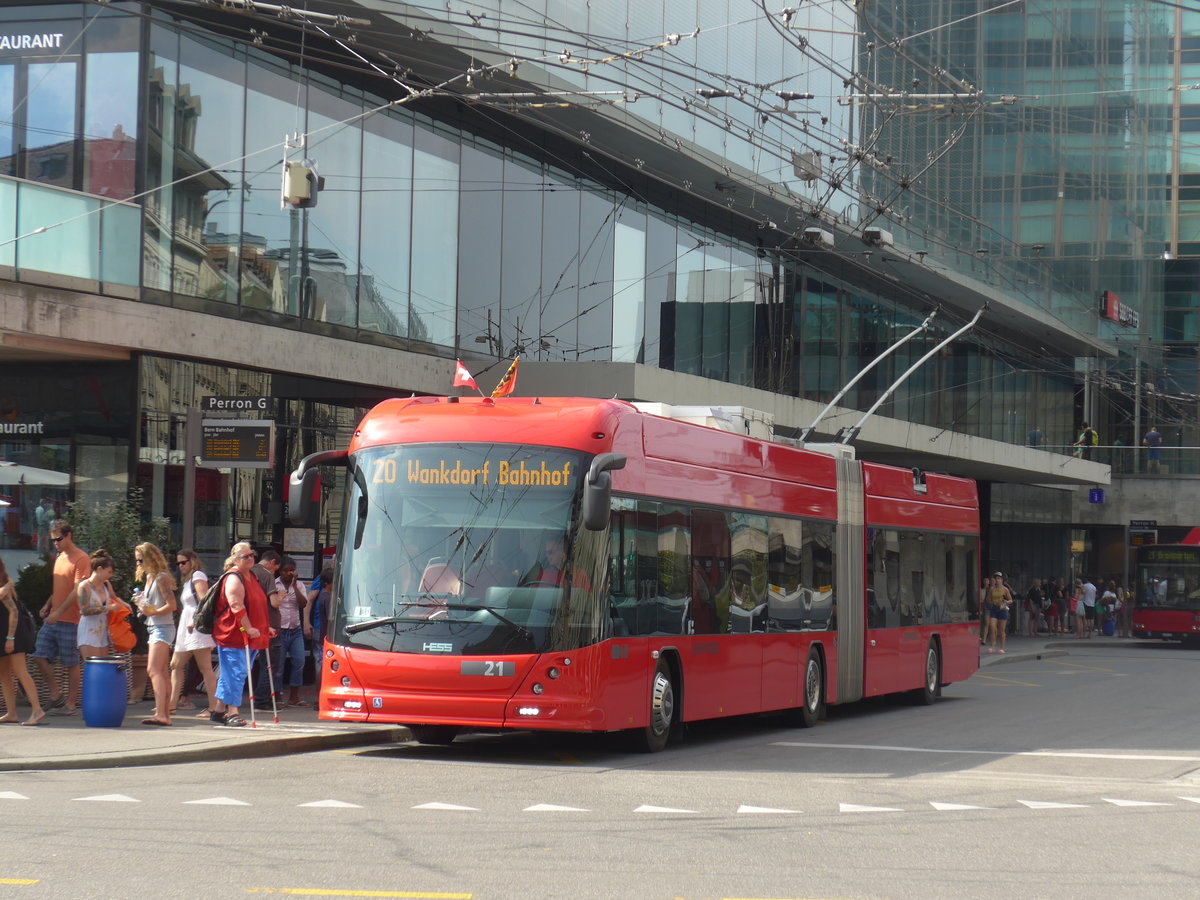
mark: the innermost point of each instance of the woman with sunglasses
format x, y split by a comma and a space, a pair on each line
189, 643
157, 604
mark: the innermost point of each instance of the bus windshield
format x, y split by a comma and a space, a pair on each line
466, 549
1169, 577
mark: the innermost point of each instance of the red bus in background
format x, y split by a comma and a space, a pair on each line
583, 565
1166, 590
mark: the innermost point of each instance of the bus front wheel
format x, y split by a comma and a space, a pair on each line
657, 732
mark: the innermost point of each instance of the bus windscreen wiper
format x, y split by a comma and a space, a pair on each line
388, 620
519, 629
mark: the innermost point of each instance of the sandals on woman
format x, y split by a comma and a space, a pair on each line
234, 721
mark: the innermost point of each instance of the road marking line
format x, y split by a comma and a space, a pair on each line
217, 801
1044, 804
19, 880
12, 795
109, 798
1135, 757
1006, 680
764, 809
854, 808
1191, 799
662, 809
1085, 668
336, 892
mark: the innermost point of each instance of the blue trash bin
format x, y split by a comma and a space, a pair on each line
105, 689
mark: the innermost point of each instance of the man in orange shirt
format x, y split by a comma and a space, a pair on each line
58, 642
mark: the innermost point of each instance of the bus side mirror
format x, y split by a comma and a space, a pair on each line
304, 485
597, 490
304, 494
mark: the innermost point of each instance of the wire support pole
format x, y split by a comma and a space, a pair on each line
807, 432
847, 436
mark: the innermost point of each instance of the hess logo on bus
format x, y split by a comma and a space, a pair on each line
437, 647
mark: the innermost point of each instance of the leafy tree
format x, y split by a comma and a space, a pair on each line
118, 527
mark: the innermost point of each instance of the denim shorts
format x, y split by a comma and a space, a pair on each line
58, 642
161, 634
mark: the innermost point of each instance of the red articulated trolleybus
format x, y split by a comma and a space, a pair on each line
584, 565
1166, 588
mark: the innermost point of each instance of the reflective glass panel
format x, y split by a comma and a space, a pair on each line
386, 225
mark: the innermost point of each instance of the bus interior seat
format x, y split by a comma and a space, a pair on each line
439, 578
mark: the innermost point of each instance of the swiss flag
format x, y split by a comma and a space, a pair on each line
463, 378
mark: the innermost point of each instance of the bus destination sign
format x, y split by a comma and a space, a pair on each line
238, 443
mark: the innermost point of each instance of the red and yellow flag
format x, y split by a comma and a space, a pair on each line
509, 381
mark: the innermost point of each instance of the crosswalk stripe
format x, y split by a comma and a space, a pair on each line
1044, 804
446, 806
109, 798
1133, 802
12, 795
550, 807
217, 801
764, 809
662, 809
950, 807
331, 804
852, 807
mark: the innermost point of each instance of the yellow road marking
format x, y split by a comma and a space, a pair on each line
1006, 680
337, 892
19, 880
1087, 668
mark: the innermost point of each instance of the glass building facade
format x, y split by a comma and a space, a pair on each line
439, 229
614, 182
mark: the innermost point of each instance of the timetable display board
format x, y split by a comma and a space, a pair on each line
237, 443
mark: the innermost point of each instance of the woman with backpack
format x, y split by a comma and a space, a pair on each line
240, 628
189, 643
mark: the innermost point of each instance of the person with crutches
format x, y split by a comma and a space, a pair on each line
267, 571
240, 630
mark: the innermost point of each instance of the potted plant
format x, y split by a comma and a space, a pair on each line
118, 527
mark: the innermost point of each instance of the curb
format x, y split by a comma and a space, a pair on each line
1023, 657
212, 752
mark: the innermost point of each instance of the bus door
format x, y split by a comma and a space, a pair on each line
849, 556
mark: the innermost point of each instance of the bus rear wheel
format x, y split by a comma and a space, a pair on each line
433, 734
931, 682
657, 732
813, 710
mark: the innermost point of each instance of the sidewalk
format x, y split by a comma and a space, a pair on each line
1021, 648
67, 742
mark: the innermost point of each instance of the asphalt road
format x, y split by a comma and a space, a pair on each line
1075, 777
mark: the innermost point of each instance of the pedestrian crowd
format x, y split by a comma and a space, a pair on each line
263, 613
1053, 606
